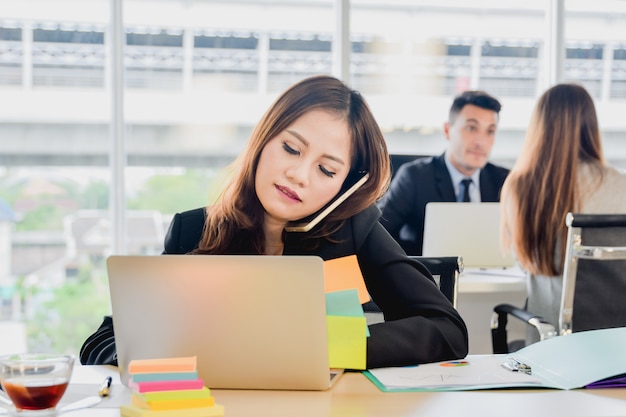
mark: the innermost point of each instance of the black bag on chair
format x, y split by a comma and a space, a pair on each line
99, 348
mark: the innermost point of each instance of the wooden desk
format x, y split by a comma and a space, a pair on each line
354, 395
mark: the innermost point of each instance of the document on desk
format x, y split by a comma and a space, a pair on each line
514, 271
472, 373
566, 362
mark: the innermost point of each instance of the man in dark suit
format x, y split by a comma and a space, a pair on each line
461, 173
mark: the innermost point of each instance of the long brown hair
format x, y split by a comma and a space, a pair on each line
239, 208
542, 186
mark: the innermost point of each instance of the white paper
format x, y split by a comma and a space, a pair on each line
474, 372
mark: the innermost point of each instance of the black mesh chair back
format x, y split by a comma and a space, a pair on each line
594, 277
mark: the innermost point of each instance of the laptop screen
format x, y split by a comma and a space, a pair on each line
469, 230
256, 322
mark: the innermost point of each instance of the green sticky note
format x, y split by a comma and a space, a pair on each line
347, 340
345, 303
164, 376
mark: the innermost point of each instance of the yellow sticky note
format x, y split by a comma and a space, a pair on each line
177, 404
133, 411
345, 303
347, 346
343, 274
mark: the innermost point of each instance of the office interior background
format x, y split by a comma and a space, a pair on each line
118, 113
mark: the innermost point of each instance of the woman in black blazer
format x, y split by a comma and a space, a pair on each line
304, 152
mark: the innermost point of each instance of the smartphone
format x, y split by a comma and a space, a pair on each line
354, 181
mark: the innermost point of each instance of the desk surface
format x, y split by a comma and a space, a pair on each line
354, 395
491, 281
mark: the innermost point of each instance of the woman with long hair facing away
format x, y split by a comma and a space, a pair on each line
313, 142
561, 169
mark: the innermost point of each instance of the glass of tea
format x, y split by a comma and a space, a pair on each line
35, 382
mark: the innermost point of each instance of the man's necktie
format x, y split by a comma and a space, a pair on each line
465, 182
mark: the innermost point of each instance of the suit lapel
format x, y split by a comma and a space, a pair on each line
487, 191
443, 182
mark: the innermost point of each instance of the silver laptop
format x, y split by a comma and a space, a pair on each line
470, 230
253, 322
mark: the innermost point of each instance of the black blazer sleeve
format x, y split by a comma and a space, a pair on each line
421, 325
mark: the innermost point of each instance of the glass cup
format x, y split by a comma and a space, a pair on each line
35, 382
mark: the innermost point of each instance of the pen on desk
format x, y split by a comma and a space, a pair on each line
105, 388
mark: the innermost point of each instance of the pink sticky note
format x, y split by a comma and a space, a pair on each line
151, 386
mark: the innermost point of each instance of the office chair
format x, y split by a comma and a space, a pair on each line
401, 159
594, 282
444, 269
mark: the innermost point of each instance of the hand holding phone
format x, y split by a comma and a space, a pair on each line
362, 177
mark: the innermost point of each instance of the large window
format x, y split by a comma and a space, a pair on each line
595, 37
198, 75
54, 175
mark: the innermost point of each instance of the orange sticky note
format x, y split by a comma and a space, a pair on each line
184, 364
344, 274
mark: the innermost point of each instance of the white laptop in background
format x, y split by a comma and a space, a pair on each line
254, 322
469, 230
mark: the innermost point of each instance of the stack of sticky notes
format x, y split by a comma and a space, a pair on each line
347, 325
168, 388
